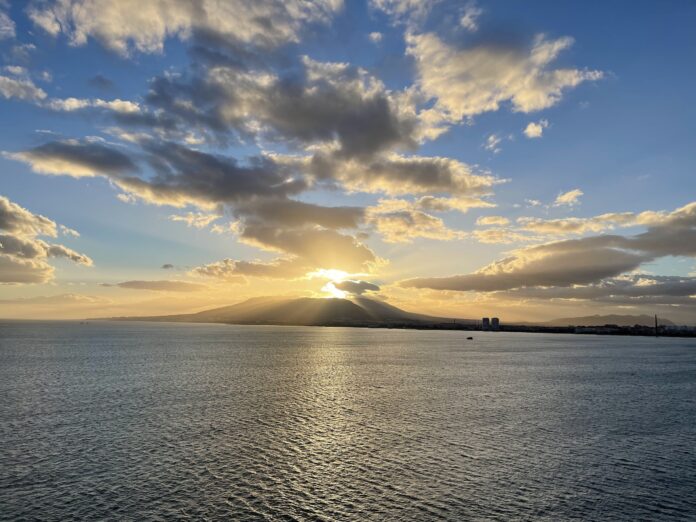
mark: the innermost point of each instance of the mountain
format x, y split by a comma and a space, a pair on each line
600, 320
306, 311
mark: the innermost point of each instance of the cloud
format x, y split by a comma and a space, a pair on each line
565, 226
23, 256
60, 299
404, 11
314, 103
182, 175
500, 235
68, 253
582, 261
7, 27
399, 175
76, 158
399, 221
600, 223
160, 286
31, 248
570, 198
469, 19
21, 88
471, 81
631, 289
129, 25
563, 263
375, 37
258, 191
443, 204
355, 287
535, 129
235, 271
18, 220
101, 82
492, 142
195, 219
320, 248
76, 104
67, 231
492, 220
24, 271
291, 213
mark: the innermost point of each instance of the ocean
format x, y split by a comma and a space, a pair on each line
143, 421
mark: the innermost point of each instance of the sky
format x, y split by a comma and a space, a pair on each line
528, 160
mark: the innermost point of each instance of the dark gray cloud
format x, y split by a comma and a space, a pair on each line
356, 287
291, 213
313, 103
579, 261
101, 82
630, 289
191, 176
180, 175
394, 174
77, 158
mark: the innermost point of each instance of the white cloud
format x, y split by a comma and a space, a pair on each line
375, 37
75, 104
195, 219
469, 19
23, 89
7, 27
404, 11
536, 129
492, 143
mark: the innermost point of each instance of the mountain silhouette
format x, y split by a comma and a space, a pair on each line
305, 311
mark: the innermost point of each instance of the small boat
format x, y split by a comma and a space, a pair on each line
469, 338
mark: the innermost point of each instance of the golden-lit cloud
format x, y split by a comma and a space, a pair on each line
23, 256
399, 221
129, 24
535, 129
492, 220
570, 198
470, 81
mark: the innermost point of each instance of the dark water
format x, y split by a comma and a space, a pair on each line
131, 421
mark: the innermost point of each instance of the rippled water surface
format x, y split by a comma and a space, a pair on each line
136, 421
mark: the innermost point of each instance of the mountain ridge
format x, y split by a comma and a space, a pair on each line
303, 311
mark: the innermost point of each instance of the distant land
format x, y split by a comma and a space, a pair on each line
306, 311
367, 312
600, 320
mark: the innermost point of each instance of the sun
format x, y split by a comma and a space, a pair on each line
334, 276
331, 289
